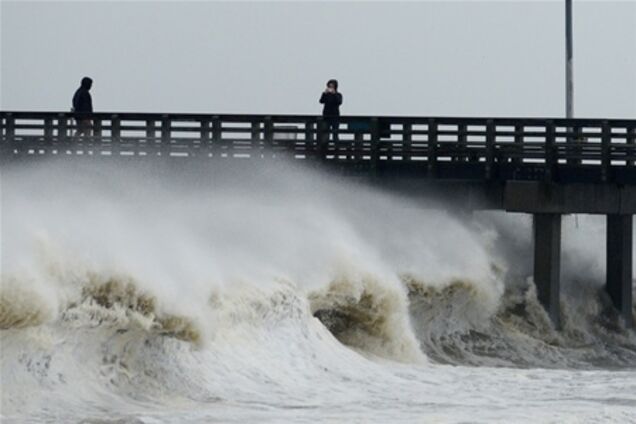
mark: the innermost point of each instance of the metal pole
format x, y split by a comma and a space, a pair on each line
569, 84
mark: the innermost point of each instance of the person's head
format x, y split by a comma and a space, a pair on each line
332, 84
87, 83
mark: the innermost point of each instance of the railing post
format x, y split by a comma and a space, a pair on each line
48, 129
375, 146
205, 137
150, 130
518, 143
323, 138
151, 136
310, 136
573, 145
432, 147
10, 125
97, 127
407, 140
257, 145
631, 142
216, 134
204, 134
165, 136
62, 127
7, 136
580, 142
115, 135
550, 153
490, 148
358, 143
461, 144
606, 159
268, 130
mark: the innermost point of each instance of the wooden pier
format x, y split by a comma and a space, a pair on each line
546, 167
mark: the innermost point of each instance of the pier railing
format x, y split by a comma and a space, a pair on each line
443, 147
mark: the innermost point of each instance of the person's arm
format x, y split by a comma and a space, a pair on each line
338, 99
323, 98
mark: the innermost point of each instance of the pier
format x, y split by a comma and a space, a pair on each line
540, 166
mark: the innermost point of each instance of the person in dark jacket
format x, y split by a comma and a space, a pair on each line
83, 107
331, 100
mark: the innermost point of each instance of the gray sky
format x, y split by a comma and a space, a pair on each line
418, 58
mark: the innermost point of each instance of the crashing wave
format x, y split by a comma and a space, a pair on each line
368, 316
21, 307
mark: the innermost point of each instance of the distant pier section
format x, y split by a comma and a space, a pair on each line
544, 167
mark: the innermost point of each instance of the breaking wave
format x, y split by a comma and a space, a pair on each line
212, 281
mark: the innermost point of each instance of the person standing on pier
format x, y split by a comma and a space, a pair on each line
83, 107
331, 99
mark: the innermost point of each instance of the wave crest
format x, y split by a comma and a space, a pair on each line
368, 316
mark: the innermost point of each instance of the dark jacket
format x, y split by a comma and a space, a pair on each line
331, 102
82, 101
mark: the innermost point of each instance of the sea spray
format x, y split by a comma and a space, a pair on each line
172, 286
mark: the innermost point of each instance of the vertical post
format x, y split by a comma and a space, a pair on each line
323, 138
48, 129
550, 151
490, 148
10, 125
407, 140
10, 130
573, 146
432, 147
165, 136
569, 70
375, 146
310, 136
358, 143
151, 135
619, 264
268, 133
631, 142
256, 139
204, 142
150, 130
462, 153
97, 142
518, 144
606, 160
62, 127
97, 128
6, 143
217, 135
115, 135
547, 263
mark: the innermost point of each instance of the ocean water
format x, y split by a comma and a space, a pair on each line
143, 292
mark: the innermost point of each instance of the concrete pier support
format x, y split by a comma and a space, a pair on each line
619, 264
547, 262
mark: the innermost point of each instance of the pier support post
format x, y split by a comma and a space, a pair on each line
547, 263
619, 264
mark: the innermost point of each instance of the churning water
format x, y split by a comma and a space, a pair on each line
261, 292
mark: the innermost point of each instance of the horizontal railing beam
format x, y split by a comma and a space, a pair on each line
505, 148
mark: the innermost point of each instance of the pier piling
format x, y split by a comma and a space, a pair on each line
619, 264
547, 262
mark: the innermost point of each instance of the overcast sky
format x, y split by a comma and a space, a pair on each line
419, 58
